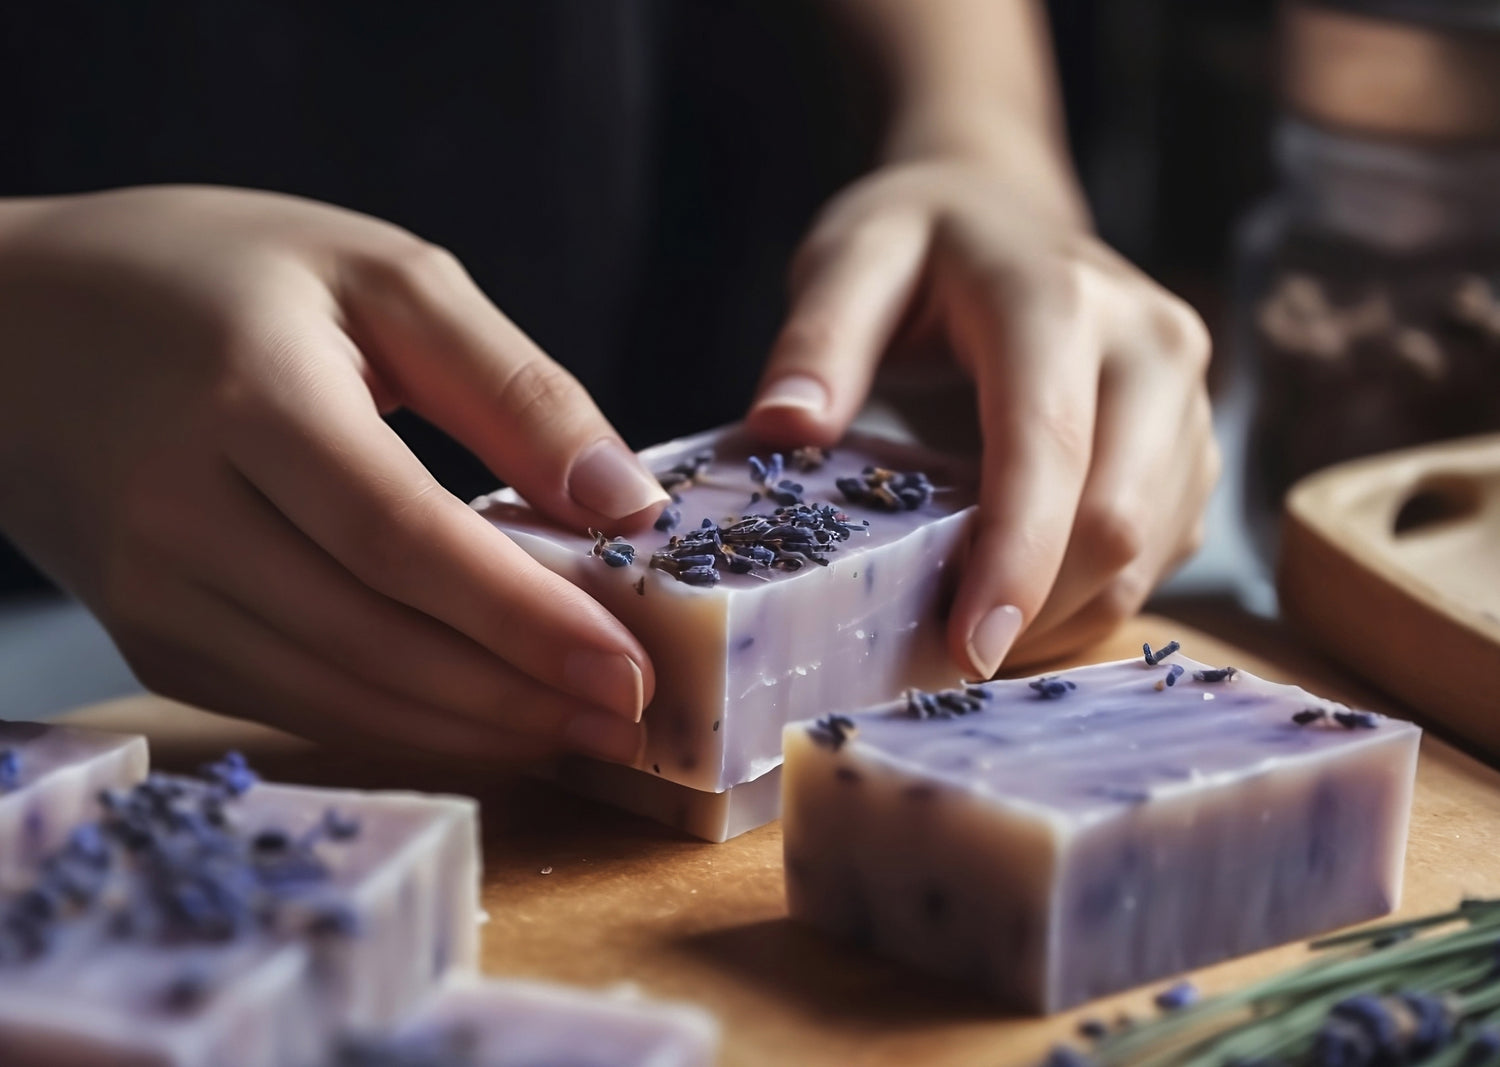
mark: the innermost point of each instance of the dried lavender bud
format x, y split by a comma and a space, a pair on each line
887, 490
1178, 996
767, 472
1153, 658
686, 473
334, 920
1064, 1056
833, 731
1174, 672
1216, 674
1308, 716
340, 827
618, 556
669, 519
1093, 1029
186, 992
1053, 688
10, 769
231, 772
805, 460
1356, 720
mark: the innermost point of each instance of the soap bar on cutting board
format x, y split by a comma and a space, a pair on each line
192, 924
736, 659
530, 1024
1049, 841
713, 817
49, 779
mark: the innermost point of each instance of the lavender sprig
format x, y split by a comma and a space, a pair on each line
1395, 993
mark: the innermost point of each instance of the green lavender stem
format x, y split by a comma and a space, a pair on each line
1281, 1016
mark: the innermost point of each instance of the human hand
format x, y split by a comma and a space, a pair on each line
1098, 451
192, 443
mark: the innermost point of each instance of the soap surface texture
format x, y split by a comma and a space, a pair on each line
49, 779
738, 654
235, 924
1048, 841
533, 1024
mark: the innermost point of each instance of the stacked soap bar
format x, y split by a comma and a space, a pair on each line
1055, 839
219, 921
773, 586
49, 777
528, 1024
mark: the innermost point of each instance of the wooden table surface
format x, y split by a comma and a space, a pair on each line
581, 893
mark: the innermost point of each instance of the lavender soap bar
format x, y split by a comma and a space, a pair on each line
227, 923
1053, 840
771, 587
528, 1024
49, 777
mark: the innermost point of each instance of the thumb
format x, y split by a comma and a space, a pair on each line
850, 289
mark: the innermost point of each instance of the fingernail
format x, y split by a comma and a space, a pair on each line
610, 679
608, 480
992, 638
801, 391
605, 736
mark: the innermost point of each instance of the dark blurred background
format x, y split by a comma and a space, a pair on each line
626, 179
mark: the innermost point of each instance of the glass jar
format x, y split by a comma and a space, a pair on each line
1368, 292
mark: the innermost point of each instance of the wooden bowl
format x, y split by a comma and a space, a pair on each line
1392, 564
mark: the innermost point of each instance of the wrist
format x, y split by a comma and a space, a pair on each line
1033, 160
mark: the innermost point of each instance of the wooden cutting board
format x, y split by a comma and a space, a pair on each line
583, 894
1393, 565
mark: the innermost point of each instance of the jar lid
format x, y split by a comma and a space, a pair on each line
1388, 68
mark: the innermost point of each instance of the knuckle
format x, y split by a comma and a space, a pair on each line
1180, 332
1123, 597
1114, 533
1066, 424
540, 391
416, 266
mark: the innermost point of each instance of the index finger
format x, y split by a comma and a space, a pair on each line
316, 447
1036, 365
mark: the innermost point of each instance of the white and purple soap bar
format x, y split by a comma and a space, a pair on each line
765, 615
1052, 840
531, 1024
50, 777
223, 922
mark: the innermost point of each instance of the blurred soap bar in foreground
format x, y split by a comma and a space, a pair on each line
529, 1024
1048, 841
775, 586
49, 779
218, 921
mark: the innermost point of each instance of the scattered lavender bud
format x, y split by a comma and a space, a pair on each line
669, 519
833, 731
1216, 674
1178, 996
1153, 658
1356, 720
887, 490
10, 769
1093, 1029
1307, 716
1065, 1056
805, 460
1053, 688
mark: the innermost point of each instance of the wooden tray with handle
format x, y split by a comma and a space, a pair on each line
1393, 565
580, 893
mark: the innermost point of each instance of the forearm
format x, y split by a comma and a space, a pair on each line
973, 79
